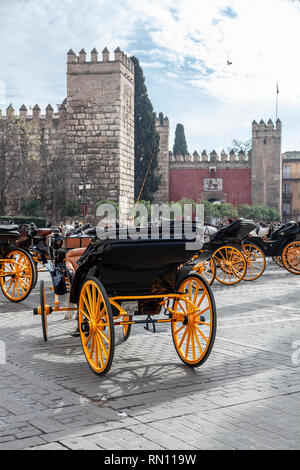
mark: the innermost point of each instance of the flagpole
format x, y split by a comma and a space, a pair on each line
277, 91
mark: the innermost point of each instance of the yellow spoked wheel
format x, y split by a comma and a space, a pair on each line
231, 265
96, 326
194, 321
256, 261
291, 257
126, 328
17, 275
35, 274
207, 269
278, 261
43, 310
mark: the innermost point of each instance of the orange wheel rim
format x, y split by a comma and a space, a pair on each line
256, 262
231, 265
16, 276
192, 331
94, 326
291, 257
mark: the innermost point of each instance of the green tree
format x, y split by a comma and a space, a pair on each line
31, 207
71, 209
146, 145
180, 145
259, 213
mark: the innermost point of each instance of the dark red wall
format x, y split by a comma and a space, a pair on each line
189, 183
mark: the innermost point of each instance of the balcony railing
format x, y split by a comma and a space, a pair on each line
287, 195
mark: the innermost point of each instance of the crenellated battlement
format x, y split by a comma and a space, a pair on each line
204, 160
78, 64
267, 129
50, 118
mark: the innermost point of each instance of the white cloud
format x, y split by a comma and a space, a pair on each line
216, 100
260, 41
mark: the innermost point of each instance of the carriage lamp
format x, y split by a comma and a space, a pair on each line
83, 200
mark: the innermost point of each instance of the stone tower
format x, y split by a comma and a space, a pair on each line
162, 128
100, 125
266, 166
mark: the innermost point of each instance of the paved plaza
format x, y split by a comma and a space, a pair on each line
246, 396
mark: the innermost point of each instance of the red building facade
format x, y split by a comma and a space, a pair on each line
226, 183
254, 178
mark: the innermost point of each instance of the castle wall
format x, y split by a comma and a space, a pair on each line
266, 164
100, 125
237, 179
32, 146
90, 140
162, 195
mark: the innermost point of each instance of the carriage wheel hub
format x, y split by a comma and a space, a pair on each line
85, 327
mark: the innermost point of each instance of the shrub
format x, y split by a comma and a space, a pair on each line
71, 209
31, 207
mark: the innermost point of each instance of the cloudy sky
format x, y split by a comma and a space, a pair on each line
183, 47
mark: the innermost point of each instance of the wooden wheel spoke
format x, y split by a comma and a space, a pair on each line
19, 283
85, 314
198, 342
87, 339
97, 352
90, 300
203, 336
87, 305
188, 342
183, 337
196, 293
179, 329
102, 335
103, 348
193, 344
91, 352
197, 314
201, 299
184, 310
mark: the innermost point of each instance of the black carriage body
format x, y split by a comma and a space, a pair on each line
287, 233
8, 236
232, 235
129, 267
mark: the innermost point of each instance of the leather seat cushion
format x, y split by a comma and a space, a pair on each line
72, 257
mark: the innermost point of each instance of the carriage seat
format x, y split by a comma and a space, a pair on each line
43, 232
72, 257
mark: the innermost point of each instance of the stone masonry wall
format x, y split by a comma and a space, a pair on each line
162, 195
266, 164
32, 146
100, 125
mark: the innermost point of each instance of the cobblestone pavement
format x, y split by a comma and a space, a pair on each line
246, 396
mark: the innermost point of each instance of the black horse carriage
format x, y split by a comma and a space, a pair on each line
236, 257
154, 273
283, 246
17, 269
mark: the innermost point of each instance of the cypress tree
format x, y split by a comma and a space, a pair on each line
146, 139
180, 142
